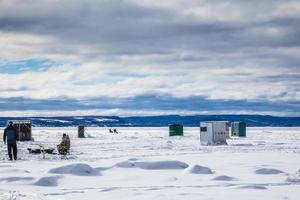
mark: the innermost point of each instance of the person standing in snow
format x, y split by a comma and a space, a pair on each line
11, 137
64, 146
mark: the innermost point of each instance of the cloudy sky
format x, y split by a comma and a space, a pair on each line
149, 57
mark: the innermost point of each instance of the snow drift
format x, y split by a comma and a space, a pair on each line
268, 171
197, 169
48, 181
153, 165
224, 178
79, 169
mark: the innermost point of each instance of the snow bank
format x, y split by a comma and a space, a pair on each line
162, 165
254, 187
79, 169
268, 171
197, 169
153, 165
224, 178
48, 181
126, 164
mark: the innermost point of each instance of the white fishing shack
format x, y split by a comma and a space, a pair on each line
213, 132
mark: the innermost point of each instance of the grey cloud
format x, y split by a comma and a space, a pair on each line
119, 24
123, 28
284, 77
116, 28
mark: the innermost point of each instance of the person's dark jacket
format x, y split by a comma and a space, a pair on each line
11, 134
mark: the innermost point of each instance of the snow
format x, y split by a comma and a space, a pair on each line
14, 179
54, 120
145, 163
48, 181
224, 178
268, 171
294, 178
158, 165
79, 169
197, 169
255, 187
105, 120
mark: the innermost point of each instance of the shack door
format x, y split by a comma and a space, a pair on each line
206, 133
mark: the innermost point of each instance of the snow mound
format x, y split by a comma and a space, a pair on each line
126, 164
79, 169
294, 178
153, 165
224, 178
162, 165
267, 171
254, 187
197, 169
48, 181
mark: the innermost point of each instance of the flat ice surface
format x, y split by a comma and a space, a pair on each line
145, 163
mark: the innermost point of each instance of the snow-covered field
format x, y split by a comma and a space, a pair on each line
145, 163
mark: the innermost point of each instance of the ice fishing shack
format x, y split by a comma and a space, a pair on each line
80, 131
176, 130
238, 129
23, 127
213, 132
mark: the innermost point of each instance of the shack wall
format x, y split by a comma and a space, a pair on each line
213, 132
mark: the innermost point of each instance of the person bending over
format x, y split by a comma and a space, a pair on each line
64, 146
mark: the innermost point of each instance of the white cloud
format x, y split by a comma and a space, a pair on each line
231, 50
238, 83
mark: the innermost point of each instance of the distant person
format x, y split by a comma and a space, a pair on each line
11, 137
115, 131
64, 146
110, 131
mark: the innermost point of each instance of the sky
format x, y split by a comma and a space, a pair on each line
149, 57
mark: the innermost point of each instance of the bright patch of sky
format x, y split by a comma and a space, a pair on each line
31, 65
